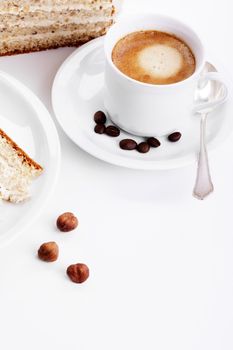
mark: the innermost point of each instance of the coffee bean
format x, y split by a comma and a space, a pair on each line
128, 144
174, 137
153, 142
112, 131
100, 117
143, 147
100, 129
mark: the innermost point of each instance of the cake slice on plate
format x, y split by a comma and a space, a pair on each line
17, 170
35, 25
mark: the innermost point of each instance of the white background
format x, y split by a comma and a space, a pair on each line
161, 262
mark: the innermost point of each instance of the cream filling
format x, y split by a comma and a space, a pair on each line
13, 196
47, 22
38, 37
15, 174
58, 8
14, 185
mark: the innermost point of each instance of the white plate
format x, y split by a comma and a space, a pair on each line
78, 93
25, 119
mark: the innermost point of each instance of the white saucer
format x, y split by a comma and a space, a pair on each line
78, 93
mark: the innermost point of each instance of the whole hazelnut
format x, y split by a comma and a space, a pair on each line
78, 273
67, 222
48, 252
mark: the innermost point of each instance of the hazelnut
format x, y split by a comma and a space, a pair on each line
78, 273
67, 222
48, 251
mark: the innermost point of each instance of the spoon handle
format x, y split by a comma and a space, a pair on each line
203, 185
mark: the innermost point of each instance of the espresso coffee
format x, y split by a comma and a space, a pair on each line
154, 57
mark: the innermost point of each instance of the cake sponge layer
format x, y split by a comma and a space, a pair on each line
50, 38
44, 24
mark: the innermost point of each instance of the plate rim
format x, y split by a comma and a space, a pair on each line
111, 158
50, 131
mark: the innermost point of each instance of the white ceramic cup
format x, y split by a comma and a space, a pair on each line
147, 109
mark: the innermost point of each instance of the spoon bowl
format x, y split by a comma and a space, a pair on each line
210, 93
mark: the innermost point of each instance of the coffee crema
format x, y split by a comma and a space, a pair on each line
154, 57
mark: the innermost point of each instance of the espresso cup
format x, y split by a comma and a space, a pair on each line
147, 109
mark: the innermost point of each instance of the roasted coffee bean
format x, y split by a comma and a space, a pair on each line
100, 129
128, 144
112, 131
143, 147
174, 137
100, 117
153, 142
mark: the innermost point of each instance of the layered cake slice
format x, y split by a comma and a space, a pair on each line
35, 25
17, 170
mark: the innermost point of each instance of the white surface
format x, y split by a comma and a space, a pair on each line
25, 119
161, 262
78, 92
